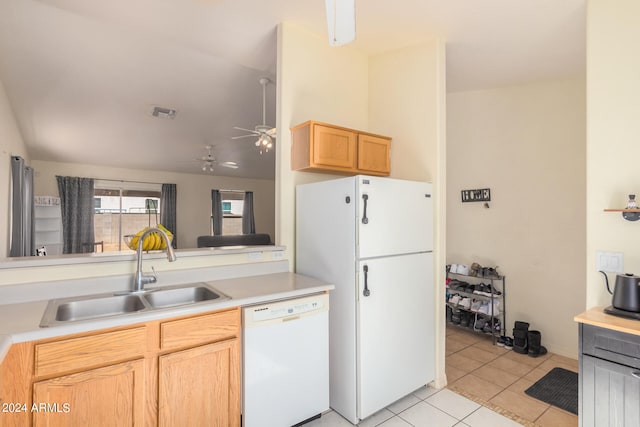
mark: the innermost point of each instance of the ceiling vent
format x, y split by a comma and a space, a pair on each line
165, 113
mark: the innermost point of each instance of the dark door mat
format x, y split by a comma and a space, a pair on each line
558, 388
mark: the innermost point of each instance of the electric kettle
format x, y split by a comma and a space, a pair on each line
626, 294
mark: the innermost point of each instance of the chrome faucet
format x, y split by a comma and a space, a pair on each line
140, 278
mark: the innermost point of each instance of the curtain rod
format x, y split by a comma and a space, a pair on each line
231, 191
126, 180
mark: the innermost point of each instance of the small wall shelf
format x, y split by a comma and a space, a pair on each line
628, 214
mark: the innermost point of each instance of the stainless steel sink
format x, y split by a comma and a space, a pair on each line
191, 294
92, 307
61, 311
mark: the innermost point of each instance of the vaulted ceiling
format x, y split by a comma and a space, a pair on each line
83, 76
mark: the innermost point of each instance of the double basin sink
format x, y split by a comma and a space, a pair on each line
64, 310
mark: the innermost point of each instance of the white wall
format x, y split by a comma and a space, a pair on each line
613, 141
527, 144
194, 193
315, 82
11, 144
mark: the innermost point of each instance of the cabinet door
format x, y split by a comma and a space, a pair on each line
200, 386
334, 147
110, 396
610, 394
374, 154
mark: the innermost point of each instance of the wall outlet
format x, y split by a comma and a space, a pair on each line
610, 262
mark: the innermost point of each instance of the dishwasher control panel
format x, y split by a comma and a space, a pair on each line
288, 308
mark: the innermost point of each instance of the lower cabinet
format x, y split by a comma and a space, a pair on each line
176, 372
109, 396
200, 386
611, 394
609, 378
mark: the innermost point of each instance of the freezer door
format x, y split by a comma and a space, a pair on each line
394, 216
396, 344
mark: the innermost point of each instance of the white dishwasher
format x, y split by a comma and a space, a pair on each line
285, 361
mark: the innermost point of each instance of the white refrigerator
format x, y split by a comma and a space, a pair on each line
372, 238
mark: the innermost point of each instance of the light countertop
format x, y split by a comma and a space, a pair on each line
19, 322
597, 317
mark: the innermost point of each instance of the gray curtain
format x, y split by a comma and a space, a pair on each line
216, 213
76, 203
22, 221
248, 221
168, 218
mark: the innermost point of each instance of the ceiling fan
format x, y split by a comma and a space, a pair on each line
266, 134
209, 161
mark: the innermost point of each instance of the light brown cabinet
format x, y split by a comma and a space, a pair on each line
199, 386
109, 396
166, 372
321, 147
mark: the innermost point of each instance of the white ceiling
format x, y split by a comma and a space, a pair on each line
84, 75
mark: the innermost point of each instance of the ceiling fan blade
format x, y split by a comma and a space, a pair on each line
341, 21
243, 136
230, 165
247, 130
272, 132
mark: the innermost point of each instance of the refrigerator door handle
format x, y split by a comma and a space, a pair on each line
366, 291
365, 220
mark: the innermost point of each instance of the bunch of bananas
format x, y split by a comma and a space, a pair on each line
152, 241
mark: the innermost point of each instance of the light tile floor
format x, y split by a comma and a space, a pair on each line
495, 378
426, 407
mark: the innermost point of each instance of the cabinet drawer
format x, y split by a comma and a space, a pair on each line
611, 345
200, 329
87, 352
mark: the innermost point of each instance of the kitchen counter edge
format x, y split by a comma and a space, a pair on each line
597, 317
243, 291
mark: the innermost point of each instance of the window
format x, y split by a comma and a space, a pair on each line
232, 204
122, 211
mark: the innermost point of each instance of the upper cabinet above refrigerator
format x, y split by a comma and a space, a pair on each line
395, 217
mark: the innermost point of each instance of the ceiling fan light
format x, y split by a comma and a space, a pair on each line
264, 140
341, 21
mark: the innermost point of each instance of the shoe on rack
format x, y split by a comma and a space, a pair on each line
492, 327
535, 344
455, 316
465, 319
490, 273
453, 284
520, 337
462, 286
479, 324
479, 290
484, 308
475, 305
455, 299
465, 303
475, 269
489, 290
